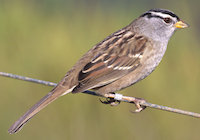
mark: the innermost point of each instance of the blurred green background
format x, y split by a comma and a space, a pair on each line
44, 38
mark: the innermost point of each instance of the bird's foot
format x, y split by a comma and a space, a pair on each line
110, 101
113, 101
139, 107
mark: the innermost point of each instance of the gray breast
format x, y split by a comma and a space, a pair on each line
153, 58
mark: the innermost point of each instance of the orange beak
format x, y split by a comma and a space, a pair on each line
180, 24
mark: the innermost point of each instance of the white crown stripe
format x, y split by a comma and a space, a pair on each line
162, 15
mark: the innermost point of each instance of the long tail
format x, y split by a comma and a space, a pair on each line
50, 97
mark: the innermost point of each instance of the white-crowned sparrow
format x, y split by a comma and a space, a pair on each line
122, 59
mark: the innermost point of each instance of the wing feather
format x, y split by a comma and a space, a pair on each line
116, 58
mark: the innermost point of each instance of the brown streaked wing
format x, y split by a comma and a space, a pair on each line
120, 57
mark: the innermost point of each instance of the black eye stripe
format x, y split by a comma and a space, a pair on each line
146, 14
168, 13
149, 13
157, 16
165, 12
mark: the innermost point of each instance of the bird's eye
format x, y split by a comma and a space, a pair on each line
167, 20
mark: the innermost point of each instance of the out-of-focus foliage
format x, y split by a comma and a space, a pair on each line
44, 38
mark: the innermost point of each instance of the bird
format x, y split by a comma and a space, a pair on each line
122, 59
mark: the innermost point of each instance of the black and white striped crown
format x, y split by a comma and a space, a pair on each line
160, 13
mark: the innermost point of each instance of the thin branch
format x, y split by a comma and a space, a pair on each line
110, 96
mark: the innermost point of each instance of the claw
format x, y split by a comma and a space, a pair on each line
110, 101
104, 102
139, 107
115, 103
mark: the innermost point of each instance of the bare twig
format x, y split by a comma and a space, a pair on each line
123, 98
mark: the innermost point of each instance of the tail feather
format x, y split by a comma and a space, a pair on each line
50, 97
